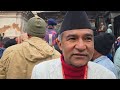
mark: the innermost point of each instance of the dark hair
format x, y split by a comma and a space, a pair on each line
103, 43
4, 40
10, 42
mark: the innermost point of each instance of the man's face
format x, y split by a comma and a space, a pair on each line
77, 46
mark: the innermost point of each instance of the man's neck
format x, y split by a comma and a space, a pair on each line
96, 55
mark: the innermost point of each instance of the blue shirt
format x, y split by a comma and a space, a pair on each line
106, 62
1, 51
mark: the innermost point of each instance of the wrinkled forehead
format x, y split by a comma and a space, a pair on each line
78, 31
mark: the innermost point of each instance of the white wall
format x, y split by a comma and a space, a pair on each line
7, 19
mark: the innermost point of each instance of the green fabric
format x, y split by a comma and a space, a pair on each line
36, 26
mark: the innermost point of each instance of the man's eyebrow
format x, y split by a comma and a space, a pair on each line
71, 35
74, 35
88, 34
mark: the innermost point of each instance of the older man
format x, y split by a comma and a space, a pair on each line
77, 45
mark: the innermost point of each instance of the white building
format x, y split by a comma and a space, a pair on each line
12, 23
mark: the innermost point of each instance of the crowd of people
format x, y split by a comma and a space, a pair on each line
72, 52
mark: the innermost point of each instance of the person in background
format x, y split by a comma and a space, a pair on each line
51, 33
1, 51
109, 30
1, 45
10, 42
117, 61
6, 44
76, 41
21, 38
102, 46
2, 48
102, 28
18, 61
117, 43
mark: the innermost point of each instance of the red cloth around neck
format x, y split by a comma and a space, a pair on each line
70, 72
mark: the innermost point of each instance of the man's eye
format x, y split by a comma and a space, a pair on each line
71, 38
88, 38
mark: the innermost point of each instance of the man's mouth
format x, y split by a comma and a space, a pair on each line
79, 55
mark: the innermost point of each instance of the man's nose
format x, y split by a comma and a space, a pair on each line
80, 45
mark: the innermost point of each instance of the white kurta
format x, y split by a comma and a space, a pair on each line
53, 70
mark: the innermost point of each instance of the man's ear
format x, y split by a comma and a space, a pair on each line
58, 43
